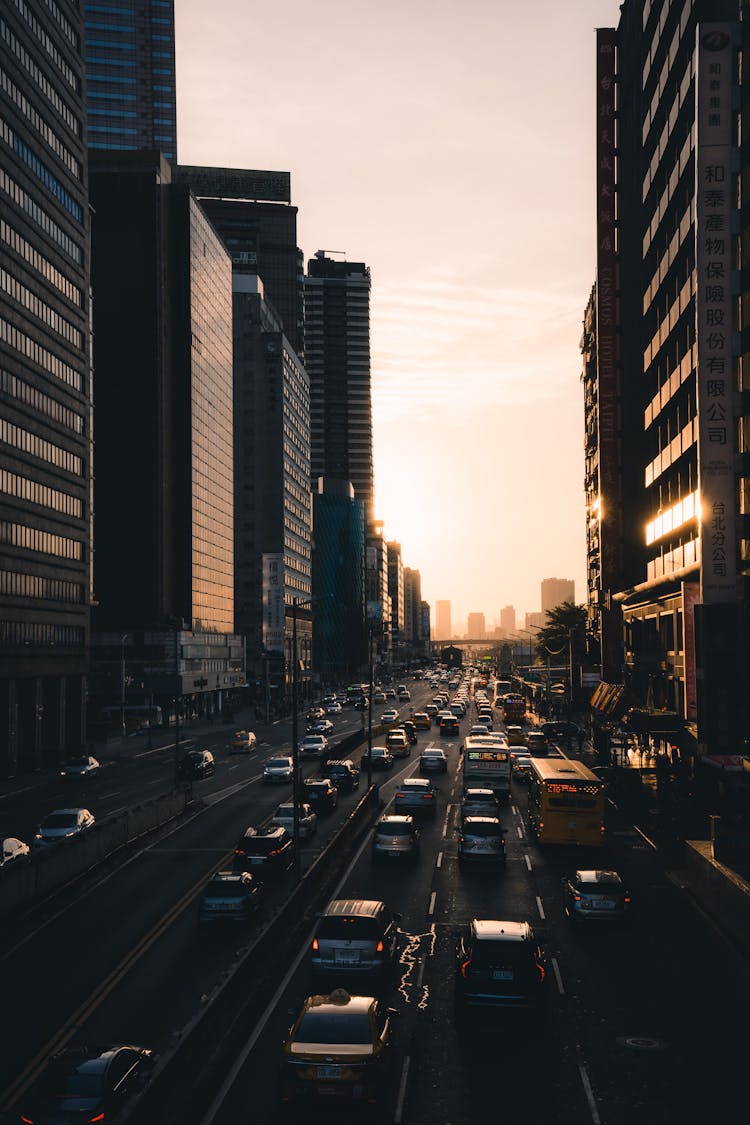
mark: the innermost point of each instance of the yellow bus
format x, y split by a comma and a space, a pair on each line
566, 802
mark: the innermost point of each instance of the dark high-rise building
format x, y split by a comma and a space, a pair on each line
396, 594
339, 648
45, 386
251, 210
131, 96
337, 357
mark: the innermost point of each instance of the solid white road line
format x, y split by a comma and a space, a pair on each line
528, 862
401, 1093
539, 907
589, 1094
431, 907
558, 978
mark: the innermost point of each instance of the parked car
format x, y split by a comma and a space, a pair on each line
13, 849
338, 1050
499, 964
278, 770
84, 1084
343, 773
62, 824
398, 743
321, 793
355, 938
267, 852
197, 764
395, 837
80, 766
313, 746
416, 795
229, 896
307, 818
481, 839
380, 757
433, 761
596, 896
243, 742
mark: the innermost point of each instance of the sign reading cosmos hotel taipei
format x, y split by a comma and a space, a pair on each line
713, 305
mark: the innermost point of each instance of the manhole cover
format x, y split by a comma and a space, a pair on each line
641, 1043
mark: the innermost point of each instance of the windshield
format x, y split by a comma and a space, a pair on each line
334, 1027
277, 763
348, 929
60, 820
393, 830
482, 829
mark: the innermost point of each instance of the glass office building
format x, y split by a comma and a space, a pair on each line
45, 385
131, 97
339, 638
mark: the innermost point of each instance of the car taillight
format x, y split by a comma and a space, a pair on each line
276, 851
27, 1120
576, 896
627, 899
379, 947
239, 851
542, 971
428, 797
315, 945
97, 1117
465, 968
460, 839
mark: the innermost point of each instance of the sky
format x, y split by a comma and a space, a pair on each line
450, 145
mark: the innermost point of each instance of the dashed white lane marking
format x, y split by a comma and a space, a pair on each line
528, 862
558, 978
401, 1093
106, 796
445, 822
439, 860
514, 810
431, 907
520, 833
539, 907
589, 1094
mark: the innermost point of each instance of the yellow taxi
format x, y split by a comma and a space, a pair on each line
421, 720
242, 742
337, 1050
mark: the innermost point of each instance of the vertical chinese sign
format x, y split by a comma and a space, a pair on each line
713, 306
607, 341
273, 605
690, 597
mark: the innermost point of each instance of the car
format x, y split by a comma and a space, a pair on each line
338, 1050
390, 693
389, 718
80, 766
229, 896
243, 742
380, 758
596, 896
319, 726
197, 764
334, 707
313, 746
355, 938
433, 760
479, 728
411, 731
515, 735
449, 725
499, 964
422, 720
404, 694
431, 709
321, 793
484, 715
478, 801
13, 849
457, 708
278, 770
521, 766
395, 837
315, 713
83, 1084
560, 729
537, 744
398, 742
267, 852
343, 773
416, 795
62, 824
362, 704
379, 697
307, 818
481, 839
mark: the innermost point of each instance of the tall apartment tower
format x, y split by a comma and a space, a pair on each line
396, 594
412, 607
131, 95
555, 591
476, 626
443, 626
508, 619
337, 357
45, 387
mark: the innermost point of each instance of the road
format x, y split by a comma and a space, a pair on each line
640, 1023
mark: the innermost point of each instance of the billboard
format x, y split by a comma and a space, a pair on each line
273, 604
235, 183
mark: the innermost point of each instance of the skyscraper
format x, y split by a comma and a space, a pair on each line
396, 593
45, 386
508, 619
555, 591
475, 626
337, 358
443, 625
131, 97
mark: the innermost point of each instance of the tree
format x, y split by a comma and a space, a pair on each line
565, 630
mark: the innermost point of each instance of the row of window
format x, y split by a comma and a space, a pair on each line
67, 28
13, 584
113, 112
114, 130
41, 171
108, 78
34, 351
111, 96
23, 488
60, 62
41, 403
43, 129
24, 440
40, 309
45, 542
39, 216
40, 634
38, 262
40, 78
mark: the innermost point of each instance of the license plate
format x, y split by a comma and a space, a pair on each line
256, 861
347, 957
329, 1072
502, 974
604, 905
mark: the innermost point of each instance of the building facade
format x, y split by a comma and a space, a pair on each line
508, 619
443, 623
396, 595
337, 357
378, 599
45, 387
131, 94
555, 591
339, 639
476, 626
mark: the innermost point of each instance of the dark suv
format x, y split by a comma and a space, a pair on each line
88, 1084
343, 773
355, 938
499, 965
267, 852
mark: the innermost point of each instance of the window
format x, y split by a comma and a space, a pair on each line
41, 171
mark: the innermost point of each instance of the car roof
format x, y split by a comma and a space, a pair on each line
72, 812
415, 783
436, 752
364, 907
264, 830
598, 877
489, 930
229, 877
318, 781
337, 1001
340, 762
477, 792
469, 820
395, 818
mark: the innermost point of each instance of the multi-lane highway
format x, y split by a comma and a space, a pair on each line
642, 1023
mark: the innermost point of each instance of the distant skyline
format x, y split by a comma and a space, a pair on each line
451, 147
